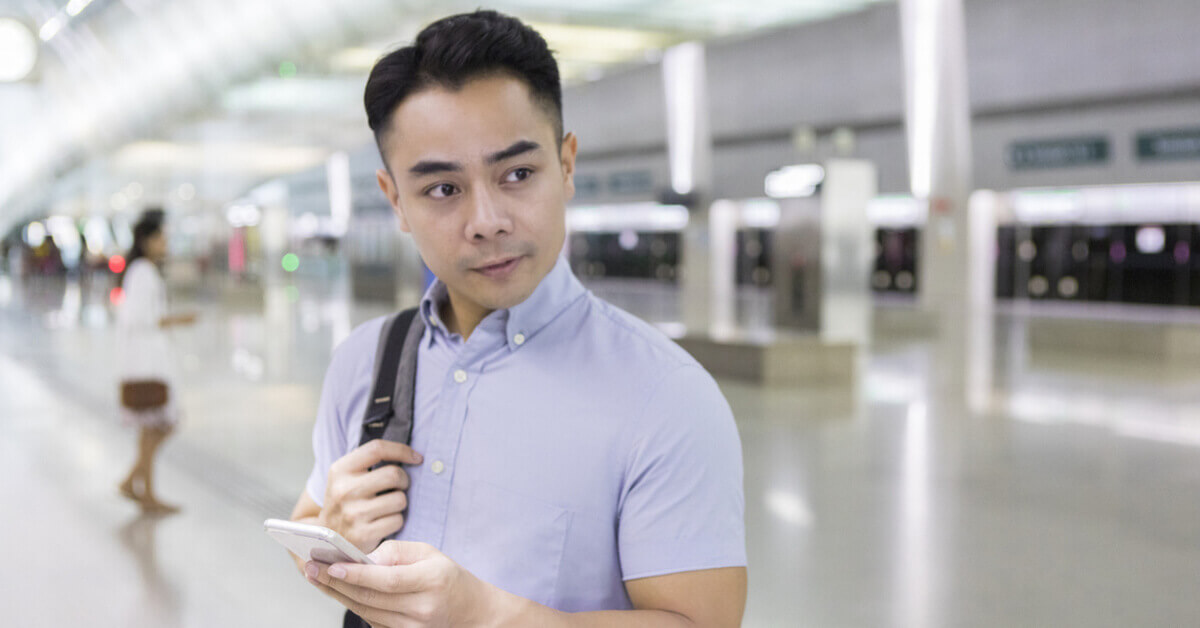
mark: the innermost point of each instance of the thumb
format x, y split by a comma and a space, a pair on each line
401, 553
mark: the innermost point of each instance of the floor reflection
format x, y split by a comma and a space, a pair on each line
886, 503
159, 602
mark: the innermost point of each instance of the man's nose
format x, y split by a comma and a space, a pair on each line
489, 218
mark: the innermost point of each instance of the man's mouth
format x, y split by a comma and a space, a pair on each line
499, 269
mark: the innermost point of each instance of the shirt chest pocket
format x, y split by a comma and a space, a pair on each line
514, 541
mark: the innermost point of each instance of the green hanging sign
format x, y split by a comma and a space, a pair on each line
1058, 153
1171, 145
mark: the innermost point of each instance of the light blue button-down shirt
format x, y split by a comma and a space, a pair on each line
568, 446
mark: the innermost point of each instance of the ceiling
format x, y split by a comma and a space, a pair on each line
220, 95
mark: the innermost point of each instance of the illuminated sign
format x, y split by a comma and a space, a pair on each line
794, 181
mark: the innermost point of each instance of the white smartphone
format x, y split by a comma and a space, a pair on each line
312, 542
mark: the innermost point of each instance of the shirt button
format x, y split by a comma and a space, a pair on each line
437, 467
519, 339
460, 376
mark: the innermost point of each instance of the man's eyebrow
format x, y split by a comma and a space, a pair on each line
520, 148
423, 168
427, 167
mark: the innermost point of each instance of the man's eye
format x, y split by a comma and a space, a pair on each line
520, 174
441, 190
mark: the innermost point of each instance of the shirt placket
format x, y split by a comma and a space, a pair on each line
441, 462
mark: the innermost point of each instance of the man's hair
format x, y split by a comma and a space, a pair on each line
454, 50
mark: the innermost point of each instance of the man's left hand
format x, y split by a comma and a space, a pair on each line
410, 584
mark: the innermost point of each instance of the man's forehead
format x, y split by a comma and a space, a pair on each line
493, 111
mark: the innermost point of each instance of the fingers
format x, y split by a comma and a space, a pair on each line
318, 577
385, 478
366, 583
383, 506
374, 452
401, 553
384, 527
366, 602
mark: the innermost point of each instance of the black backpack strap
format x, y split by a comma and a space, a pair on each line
391, 397
389, 413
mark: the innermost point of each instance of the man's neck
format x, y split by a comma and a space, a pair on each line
460, 316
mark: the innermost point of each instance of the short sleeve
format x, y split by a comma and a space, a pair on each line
682, 505
329, 436
346, 383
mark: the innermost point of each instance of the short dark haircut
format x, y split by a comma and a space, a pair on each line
454, 50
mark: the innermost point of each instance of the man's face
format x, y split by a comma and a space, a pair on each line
480, 184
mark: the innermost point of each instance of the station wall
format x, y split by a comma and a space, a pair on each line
1038, 71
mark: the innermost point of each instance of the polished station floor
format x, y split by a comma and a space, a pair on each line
1070, 497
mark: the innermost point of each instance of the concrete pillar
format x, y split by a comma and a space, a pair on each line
957, 277
689, 148
937, 116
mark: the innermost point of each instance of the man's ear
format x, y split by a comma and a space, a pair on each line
392, 192
570, 148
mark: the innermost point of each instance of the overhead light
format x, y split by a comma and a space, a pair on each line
243, 215
354, 60
896, 211
642, 217
1151, 240
35, 234
75, 7
95, 231
337, 174
760, 214
217, 156
18, 51
683, 77
600, 44
51, 28
794, 181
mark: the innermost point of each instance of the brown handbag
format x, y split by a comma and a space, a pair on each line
145, 394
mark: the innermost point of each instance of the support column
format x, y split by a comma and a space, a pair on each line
957, 280
689, 148
937, 116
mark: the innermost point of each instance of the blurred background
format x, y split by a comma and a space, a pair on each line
942, 255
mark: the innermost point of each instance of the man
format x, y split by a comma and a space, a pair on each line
569, 465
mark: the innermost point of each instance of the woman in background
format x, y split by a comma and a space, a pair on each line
146, 360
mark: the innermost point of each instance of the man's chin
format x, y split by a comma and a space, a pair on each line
504, 301
494, 297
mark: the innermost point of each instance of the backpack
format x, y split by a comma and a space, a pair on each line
389, 413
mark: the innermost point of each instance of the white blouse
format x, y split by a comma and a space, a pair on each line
145, 352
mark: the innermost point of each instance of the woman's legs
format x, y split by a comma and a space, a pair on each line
134, 485
149, 441
149, 501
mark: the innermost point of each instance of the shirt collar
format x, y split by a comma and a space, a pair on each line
557, 290
430, 311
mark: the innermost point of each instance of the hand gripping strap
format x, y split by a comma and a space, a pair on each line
389, 413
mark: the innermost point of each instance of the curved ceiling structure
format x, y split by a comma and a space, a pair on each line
247, 89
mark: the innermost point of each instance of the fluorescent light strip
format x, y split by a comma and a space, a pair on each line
75, 7
682, 65
923, 20
51, 28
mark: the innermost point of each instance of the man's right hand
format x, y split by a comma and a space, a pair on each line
353, 504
